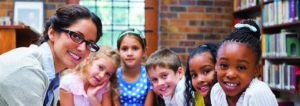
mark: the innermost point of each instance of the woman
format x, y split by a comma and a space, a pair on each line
28, 76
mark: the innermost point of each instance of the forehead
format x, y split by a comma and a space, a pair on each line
236, 50
129, 40
86, 27
157, 70
200, 60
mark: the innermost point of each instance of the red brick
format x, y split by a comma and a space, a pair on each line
222, 30
187, 16
212, 37
184, 56
214, 23
168, 15
6, 5
177, 9
195, 36
164, 8
169, 29
163, 36
187, 43
178, 22
196, 9
227, 10
164, 22
227, 23
167, 2
3, 13
187, 29
205, 3
205, 30
223, 3
177, 36
178, 50
223, 16
168, 43
187, 2
196, 22
207, 41
205, 16
214, 9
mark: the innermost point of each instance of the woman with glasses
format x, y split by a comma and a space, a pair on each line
29, 76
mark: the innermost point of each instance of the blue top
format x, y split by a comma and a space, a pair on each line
134, 94
50, 70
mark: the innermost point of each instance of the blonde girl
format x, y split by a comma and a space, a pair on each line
92, 81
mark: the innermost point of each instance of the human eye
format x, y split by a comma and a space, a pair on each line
108, 74
194, 75
206, 71
135, 48
154, 79
164, 76
124, 48
241, 68
223, 66
100, 67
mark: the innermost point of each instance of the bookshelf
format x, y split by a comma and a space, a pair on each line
275, 22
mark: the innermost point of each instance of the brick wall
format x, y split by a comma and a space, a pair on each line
6, 7
185, 24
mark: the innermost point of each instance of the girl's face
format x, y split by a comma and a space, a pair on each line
236, 67
131, 51
100, 71
164, 80
68, 53
202, 71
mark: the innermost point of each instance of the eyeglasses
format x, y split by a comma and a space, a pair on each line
78, 38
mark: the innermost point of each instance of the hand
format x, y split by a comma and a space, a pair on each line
92, 90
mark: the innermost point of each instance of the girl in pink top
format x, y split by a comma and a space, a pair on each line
91, 82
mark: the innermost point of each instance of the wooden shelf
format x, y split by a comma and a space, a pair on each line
274, 28
291, 57
287, 91
243, 13
269, 1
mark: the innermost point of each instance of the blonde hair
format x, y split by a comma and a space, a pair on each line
104, 52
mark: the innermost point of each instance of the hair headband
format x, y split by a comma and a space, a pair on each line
252, 28
135, 31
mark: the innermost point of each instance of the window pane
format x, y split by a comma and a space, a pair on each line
139, 27
121, 4
116, 35
137, 16
120, 16
105, 14
105, 39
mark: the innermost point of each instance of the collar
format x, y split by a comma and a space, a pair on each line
48, 62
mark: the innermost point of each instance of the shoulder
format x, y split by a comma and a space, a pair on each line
259, 93
218, 96
71, 82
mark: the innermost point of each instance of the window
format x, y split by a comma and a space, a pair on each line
117, 15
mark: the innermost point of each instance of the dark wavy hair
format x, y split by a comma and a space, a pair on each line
246, 36
189, 97
67, 16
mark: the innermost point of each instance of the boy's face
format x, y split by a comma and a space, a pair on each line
164, 80
236, 67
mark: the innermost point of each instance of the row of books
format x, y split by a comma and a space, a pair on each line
280, 44
243, 4
280, 12
281, 76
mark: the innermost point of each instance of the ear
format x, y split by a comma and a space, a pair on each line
145, 51
257, 70
179, 72
51, 34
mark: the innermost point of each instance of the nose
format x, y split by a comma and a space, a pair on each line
129, 52
200, 79
231, 74
82, 46
160, 82
101, 74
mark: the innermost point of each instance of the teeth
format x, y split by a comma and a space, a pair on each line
163, 89
73, 55
230, 84
204, 87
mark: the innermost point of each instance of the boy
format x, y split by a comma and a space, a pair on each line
165, 73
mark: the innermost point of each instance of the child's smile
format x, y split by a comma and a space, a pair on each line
236, 67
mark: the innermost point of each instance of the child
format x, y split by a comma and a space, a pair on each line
135, 86
92, 80
200, 74
237, 68
165, 73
